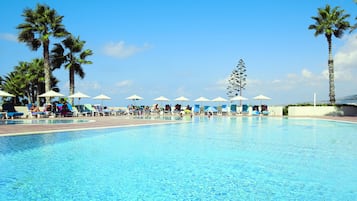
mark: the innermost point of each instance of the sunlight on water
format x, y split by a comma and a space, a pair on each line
238, 158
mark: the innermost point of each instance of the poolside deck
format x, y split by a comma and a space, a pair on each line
98, 122
109, 122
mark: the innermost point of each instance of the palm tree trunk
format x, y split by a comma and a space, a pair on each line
331, 72
47, 69
71, 82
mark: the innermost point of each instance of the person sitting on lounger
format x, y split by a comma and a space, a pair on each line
34, 108
65, 109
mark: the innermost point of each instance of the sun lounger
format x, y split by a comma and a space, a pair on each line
233, 109
99, 110
83, 111
245, 109
64, 111
92, 109
224, 109
167, 109
9, 108
196, 109
35, 114
264, 110
255, 110
211, 109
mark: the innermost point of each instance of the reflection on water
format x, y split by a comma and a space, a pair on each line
41, 121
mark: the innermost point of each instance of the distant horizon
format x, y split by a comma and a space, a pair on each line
185, 48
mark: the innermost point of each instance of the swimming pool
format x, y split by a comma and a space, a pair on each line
238, 158
42, 121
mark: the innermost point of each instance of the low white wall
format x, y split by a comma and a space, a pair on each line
275, 110
322, 111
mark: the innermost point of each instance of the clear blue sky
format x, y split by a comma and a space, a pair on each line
189, 48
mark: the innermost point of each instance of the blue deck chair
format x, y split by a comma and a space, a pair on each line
196, 109
233, 109
63, 112
245, 109
92, 109
224, 109
212, 109
71, 112
82, 110
205, 108
35, 114
9, 108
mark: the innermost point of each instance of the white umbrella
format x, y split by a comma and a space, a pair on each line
261, 97
238, 98
78, 95
202, 99
134, 97
162, 98
181, 98
197, 108
5, 94
219, 99
50, 94
102, 97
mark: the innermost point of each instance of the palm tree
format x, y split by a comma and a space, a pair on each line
330, 22
40, 25
73, 60
27, 80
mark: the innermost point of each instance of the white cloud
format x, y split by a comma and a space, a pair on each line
122, 50
306, 73
345, 60
124, 83
8, 37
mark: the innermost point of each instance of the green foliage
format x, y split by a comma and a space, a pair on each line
40, 25
330, 22
27, 80
70, 53
238, 80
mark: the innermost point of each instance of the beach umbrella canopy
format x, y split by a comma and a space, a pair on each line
202, 99
219, 99
238, 98
78, 95
50, 94
102, 97
182, 98
261, 97
5, 94
134, 97
161, 98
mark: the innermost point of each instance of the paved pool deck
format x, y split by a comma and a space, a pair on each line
94, 123
109, 122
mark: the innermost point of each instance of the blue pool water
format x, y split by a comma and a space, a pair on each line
242, 158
